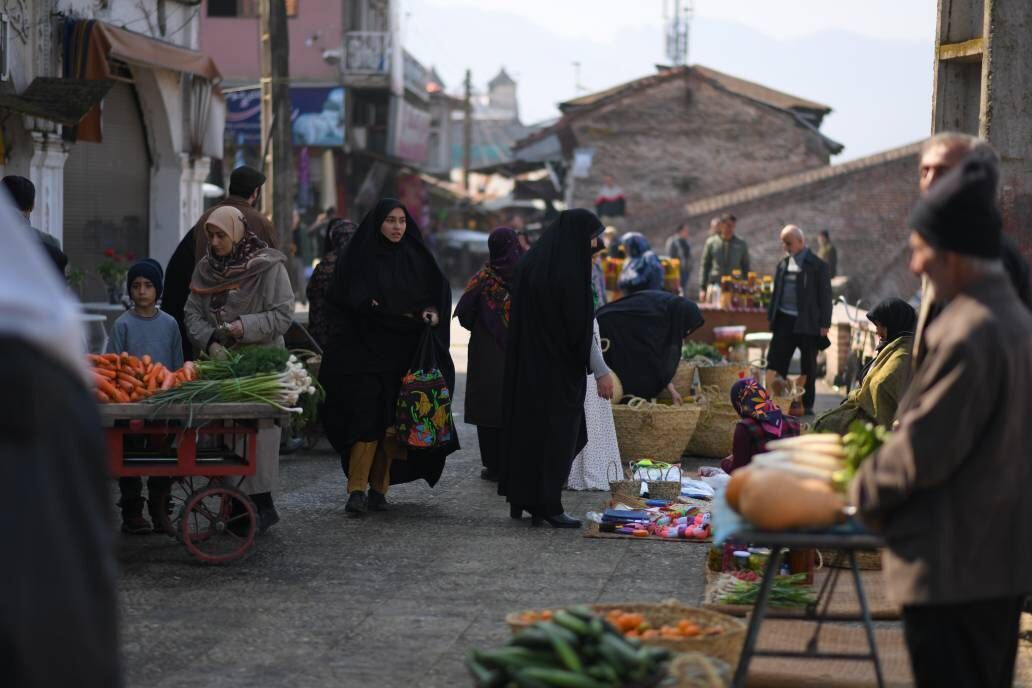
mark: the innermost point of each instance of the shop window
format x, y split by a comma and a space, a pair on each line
243, 8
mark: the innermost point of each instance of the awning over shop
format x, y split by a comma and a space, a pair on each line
90, 46
65, 101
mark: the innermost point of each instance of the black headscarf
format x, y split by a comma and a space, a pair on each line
645, 332
378, 292
546, 363
895, 315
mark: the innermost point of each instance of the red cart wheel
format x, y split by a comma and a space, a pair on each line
218, 524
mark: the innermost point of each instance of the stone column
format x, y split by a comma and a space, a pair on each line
192, 190
46, 171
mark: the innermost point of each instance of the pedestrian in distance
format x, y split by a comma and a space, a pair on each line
949, 489
680, 248
320, 321
240, 294
642, 269
827, 251
546, 361
245, 192
723, 253
800, 311
23, 193
143, 330
484, 310
387, 289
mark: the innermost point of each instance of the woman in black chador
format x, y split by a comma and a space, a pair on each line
546, 368
385, 290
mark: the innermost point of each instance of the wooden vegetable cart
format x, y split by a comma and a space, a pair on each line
207, 450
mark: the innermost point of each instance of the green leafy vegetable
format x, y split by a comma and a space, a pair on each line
785, 591
692, 349
862, 440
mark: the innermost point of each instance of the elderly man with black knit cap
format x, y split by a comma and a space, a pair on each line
949, 490
245, 190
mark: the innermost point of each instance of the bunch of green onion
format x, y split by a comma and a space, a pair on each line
280, 389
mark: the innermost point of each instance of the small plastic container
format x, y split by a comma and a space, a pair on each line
731, 334
741, 560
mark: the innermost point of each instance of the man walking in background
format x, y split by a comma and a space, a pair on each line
678, 247
23, 193
800, 311
723, 253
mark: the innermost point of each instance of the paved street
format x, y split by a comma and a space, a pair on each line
390, 599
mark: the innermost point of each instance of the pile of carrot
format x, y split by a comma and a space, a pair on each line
121, 378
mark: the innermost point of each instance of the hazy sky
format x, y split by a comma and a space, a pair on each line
870, 60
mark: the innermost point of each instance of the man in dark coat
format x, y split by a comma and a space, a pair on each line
23, 193
245, 190
800, 311
949, 490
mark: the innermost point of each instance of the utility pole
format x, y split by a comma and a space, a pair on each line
467, 130
277, 162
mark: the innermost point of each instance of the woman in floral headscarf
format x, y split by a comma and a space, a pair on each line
484, 311
761, 421
240, 294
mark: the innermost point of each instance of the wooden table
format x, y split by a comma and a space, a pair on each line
755, 320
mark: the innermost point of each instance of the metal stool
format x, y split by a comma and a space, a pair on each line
760, 340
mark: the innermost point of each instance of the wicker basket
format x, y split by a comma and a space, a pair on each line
658, 489
726, 646
715, 430
696, 670
646, 430
865, 561
723, 377
784, 403
683, 381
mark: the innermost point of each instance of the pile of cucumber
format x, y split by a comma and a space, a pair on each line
576, 649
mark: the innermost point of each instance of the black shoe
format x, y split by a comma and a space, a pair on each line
289, 445
488, 474
357, 503
808, 412
135, 524
376, 501
560, 521
515, 512
267, 518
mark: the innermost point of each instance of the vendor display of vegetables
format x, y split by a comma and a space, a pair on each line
635, 625
799, 482
255, 374
785, 591
121, 378
575, 649
691, 350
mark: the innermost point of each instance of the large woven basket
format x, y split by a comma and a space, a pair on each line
865, 560
683, 381
626, 487
723, 377
715, 430
726, 646
647, 430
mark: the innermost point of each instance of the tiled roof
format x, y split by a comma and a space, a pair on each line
792, 181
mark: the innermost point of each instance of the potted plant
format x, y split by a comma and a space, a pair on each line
112, 271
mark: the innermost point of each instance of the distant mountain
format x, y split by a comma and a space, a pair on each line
880, 89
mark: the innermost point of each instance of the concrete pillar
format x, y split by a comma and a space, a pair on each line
46, 171
328, 190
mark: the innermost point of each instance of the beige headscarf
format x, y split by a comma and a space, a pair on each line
229, 220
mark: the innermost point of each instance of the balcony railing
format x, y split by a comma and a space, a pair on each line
367, 52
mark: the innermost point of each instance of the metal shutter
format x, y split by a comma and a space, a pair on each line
107, 190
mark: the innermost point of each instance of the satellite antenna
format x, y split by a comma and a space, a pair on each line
678, 26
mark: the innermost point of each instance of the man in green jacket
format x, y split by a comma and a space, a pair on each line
723, 253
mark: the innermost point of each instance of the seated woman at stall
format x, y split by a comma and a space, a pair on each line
645, 332
761, 421
642, 269
883, 381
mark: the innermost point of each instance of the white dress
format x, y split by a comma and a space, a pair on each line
599, 461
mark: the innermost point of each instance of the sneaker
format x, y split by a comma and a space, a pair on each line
376, 501
357, 503
135, 524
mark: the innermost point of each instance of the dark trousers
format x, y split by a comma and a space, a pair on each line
490, 440
970, 644
132, 488
783, 344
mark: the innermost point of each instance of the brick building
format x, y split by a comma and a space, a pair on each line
685, 133
863, 204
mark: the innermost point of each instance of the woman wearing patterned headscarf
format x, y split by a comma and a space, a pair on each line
240, 294
761, 421
484, 311
642, 269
